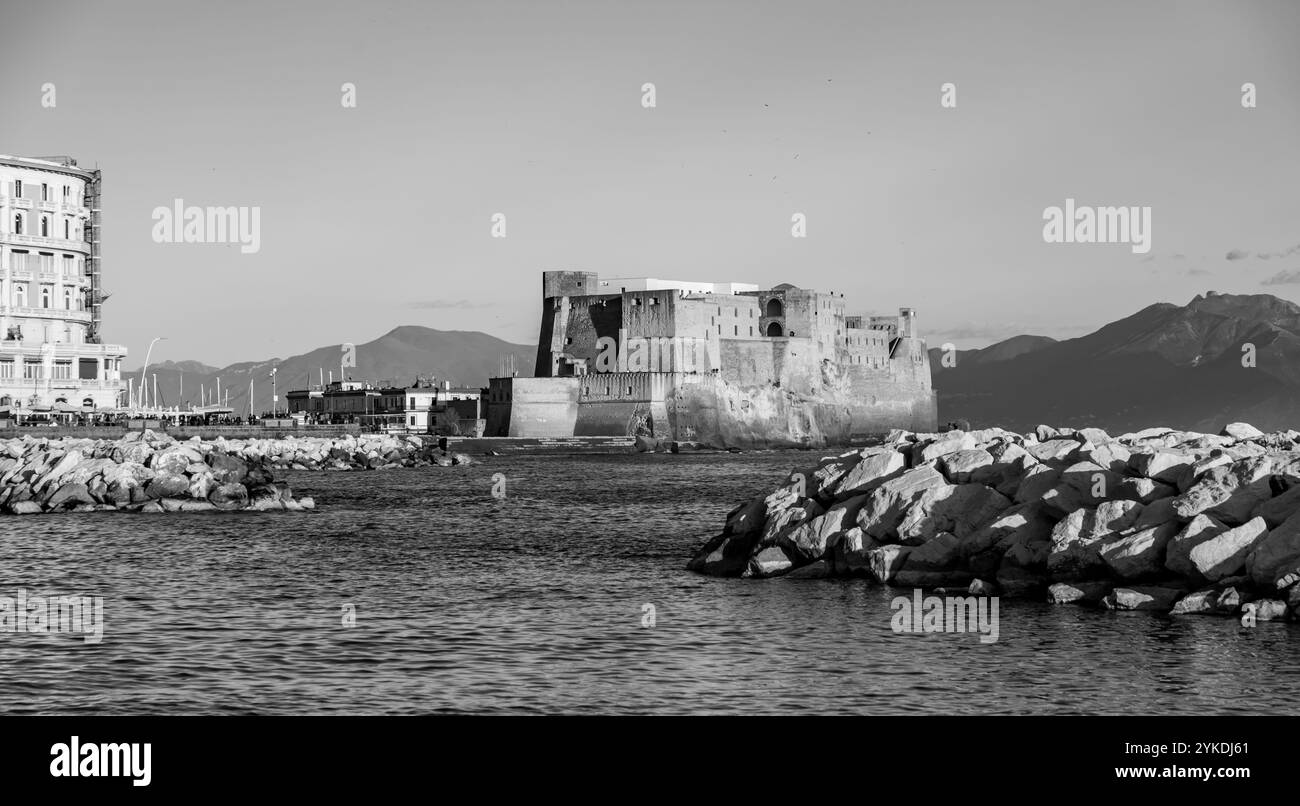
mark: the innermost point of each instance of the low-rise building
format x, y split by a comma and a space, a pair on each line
423, 408
444, 409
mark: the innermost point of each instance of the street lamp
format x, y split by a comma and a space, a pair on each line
148, 353
275, 400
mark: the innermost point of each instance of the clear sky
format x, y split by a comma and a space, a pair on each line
380, 215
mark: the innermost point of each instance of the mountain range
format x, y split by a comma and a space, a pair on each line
1183, 366
1220, 358
464, 358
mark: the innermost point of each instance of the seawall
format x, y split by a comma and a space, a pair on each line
150, 472
1164, 520
717, 412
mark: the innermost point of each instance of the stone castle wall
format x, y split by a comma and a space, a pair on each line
830, 384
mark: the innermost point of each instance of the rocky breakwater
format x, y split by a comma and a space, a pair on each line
366, 452
1163, 520
142, 472
150, 472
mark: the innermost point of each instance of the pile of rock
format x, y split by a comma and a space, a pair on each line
141, 472
1160, 519
350, 452
150, 472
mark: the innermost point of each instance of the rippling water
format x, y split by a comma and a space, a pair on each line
534, 604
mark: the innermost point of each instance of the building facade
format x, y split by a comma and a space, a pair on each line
422, 408
340, 402
51, 297
725, 364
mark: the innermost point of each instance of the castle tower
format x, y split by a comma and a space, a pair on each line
569, 284
907, 323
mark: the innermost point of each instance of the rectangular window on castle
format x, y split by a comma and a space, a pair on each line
6, 369
737, 328
62, 370
31, 369
45, 192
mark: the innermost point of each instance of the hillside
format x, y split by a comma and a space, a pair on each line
1174, 365
464, 358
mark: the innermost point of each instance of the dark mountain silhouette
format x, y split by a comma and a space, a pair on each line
1001, 351
1170, 365
185, 366
462, 357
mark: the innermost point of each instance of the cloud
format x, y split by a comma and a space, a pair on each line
440, 304
1237, 254
1176, 264
1283, 253
1283, 278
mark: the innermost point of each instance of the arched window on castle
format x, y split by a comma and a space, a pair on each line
67, 299
45, 297
45, 226
775, 308
18, 223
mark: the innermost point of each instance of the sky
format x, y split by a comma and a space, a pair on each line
381, 214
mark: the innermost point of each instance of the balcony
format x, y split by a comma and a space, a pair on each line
88, 384
52, 243
35, 350
46, 313
48, 206
18, 202
22, 274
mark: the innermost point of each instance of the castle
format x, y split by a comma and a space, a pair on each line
727, 364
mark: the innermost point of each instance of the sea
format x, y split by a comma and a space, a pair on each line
557, 585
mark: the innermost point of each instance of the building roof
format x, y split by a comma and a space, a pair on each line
65, 165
